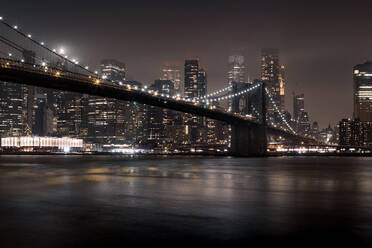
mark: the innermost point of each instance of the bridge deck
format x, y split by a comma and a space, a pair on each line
58, 79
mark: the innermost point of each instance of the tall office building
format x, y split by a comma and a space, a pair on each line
195, 80
363, 92
160, 120
131, 124
44, 121
282, 82
173, 74
236, 74
298, 106
195, 86
363, 97
300, 116
237, 71
69, 110
353, 132
274, 76
106, 116
12, 109
113, 70
304, 123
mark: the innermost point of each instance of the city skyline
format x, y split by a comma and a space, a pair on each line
185, 123
318, 63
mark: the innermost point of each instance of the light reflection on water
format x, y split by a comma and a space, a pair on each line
213, 198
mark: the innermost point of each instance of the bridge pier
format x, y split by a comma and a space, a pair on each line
248, 140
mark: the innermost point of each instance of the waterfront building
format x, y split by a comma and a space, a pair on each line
327, 135
12, 109
41, 144
353, 132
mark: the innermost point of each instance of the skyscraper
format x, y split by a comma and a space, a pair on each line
113, 70
298, 106
353, 132
195, 80
274, 76
236, 74
173, 74
363, 97
282, 82
363, 92
195, 87
300, 116
237, 70
160, 120
134, 119
12, 121
106, 116
69, 109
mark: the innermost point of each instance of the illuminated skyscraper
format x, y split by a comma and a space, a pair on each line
195, 87
106, 116
195, 80
113, 70
134, 119
12, 109
353, 132
363, 97
363, 92
173, 74
282, 82
236, 74
300, 116
160, 120
273, 75
298, 106
237, 70
69, 109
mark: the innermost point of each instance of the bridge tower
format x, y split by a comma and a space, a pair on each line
248, 140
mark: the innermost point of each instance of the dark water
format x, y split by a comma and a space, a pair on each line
72, 201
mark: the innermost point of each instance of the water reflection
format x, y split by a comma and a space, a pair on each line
214, 198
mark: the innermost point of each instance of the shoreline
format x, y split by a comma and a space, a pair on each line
187, 154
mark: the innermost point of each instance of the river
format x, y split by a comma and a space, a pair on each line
84, 201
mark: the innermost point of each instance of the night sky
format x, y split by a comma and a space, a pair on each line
320, 41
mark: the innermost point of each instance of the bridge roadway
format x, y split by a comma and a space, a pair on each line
52, 78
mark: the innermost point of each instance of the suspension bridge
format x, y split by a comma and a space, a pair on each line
25, 60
